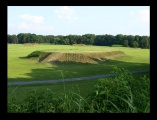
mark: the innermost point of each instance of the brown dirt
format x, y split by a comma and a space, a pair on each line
79, 45
30, 44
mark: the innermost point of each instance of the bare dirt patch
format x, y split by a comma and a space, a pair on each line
30, 44
78, 45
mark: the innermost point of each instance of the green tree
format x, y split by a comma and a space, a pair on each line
89, 38
34, 38
12, 39
119, 39
78, 39
15, 39
130, 39
137, 38
21, 37
125, 44
9, 39
135, 44
145, 42
56, 40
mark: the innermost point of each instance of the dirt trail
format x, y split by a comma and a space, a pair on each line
70, 79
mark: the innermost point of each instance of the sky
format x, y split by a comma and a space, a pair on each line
79, 20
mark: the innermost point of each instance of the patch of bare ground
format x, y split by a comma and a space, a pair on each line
78, 45
30, 44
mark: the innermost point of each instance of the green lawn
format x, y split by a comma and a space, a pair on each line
20, 69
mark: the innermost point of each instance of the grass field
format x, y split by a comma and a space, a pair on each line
21, 69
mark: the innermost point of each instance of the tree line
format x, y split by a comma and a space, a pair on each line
88, 39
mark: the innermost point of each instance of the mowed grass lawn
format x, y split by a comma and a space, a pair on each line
20, 69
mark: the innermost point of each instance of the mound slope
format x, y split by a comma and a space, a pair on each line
30, 44
94, 58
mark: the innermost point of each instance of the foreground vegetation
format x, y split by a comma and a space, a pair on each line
118, 94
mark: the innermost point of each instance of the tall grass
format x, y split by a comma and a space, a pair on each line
117, 94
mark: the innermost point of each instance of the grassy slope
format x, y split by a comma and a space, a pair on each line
20, 69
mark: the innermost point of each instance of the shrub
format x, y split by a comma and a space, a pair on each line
35, 54
120, 93
116, 45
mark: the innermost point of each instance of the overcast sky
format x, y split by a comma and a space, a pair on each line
79, 20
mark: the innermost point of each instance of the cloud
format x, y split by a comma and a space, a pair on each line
35, 27
34, 19
24, 25
30, 27
66, 13
30, 23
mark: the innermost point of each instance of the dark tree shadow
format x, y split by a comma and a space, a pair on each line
23, 57
76, 70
